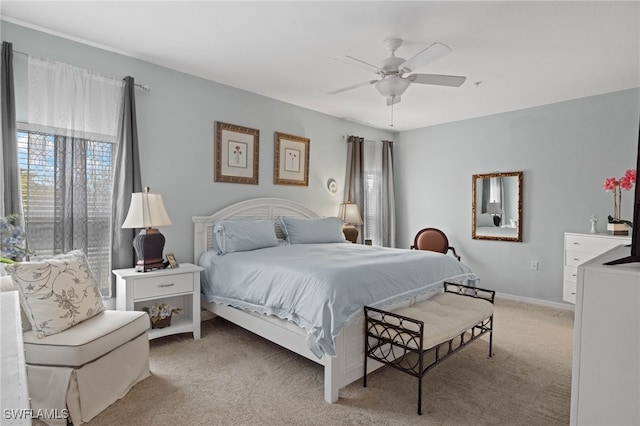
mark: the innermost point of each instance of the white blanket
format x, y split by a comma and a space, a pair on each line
324, 287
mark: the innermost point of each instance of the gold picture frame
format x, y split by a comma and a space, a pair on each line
291, 160
236, 154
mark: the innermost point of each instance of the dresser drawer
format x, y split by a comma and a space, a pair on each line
571, 274
569, 292
595, 245
575, 258
162, 286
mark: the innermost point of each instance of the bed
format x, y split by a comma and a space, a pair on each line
497, 231
340, 347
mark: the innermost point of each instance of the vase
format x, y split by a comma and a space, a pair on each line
161, 323
617, 228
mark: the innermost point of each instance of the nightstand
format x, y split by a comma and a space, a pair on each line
179, 286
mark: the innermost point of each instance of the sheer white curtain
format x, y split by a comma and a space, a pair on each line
67, 149
73, 101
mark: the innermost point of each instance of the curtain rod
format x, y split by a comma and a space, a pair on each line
144, 87
346, 138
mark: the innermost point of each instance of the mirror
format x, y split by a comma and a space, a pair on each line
497, 206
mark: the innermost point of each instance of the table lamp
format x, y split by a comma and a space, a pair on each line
350, 216
495, 209
147, 212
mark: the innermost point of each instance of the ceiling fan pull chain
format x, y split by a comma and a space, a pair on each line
391, 125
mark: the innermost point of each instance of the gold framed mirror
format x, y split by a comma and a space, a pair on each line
497, 207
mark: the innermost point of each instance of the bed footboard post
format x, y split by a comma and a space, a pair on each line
331, 379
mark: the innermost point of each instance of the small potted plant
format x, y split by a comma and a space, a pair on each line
160, 314
617, 225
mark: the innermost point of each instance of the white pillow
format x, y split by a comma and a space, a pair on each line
243, 235
310, 231
57, 293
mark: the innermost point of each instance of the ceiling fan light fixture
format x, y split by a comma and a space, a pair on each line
392, 86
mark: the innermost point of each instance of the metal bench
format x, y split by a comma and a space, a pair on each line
417, 338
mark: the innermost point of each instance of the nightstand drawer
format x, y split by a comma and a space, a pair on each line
162, 285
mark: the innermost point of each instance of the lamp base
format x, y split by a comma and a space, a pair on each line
350, 233
149, 244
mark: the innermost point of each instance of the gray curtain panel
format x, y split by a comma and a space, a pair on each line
354, 186
388, 201
126, 180
12, 201
486, 193
71, 211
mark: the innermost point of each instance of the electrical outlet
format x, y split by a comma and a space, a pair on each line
534, 265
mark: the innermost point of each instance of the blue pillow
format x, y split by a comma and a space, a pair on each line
243, 235
309, 231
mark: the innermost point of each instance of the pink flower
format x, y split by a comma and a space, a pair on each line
626, 183
631, 174
610, 184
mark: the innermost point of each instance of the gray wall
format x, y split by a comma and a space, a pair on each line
176, 133
565, 150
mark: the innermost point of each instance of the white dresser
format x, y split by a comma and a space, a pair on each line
605, 385
578, 248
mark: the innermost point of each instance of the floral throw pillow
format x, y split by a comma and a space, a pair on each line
57, 293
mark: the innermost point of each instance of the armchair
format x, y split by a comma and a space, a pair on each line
86, 368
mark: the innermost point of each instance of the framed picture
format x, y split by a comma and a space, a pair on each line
291, 160
236, 154
173, 263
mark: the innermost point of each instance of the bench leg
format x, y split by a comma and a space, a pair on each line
420, 396
421, 372
364, 375
491, 337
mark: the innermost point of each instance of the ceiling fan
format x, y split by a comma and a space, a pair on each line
393, 81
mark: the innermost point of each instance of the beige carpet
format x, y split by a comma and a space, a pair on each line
231, 376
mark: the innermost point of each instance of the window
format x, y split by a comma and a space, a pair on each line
67, 189
372, 181
374, 201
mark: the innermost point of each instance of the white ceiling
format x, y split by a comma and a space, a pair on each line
522, 54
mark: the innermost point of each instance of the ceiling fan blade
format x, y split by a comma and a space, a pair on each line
350, 60
392, 100
425, 56
353, 86
439, 80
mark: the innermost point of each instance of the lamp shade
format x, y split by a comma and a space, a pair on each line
494, 208
146, 211
349, 213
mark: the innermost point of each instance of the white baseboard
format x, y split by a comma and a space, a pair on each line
567, 306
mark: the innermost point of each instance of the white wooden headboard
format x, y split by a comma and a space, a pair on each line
256, 208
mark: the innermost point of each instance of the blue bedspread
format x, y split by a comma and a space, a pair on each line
323, 287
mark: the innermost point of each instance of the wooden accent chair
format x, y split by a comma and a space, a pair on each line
433, 239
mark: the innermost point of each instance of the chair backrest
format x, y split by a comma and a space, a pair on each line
431, 239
